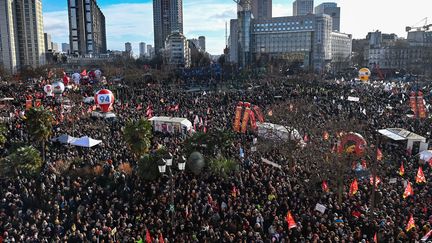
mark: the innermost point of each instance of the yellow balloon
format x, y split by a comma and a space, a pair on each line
364, 74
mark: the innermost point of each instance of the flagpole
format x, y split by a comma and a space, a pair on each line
374, 165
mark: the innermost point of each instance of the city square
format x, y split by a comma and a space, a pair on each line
297, 132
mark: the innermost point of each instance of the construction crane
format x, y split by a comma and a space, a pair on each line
425, 26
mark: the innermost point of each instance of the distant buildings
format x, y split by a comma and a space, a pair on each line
177, 52
198, 44
87, 33
303, 7
150, 51
167, 19
21, 34
142, 49
128, 49
306, 39
55, 47
262, 9
390, 53
330, 9
48, 42
65, 48
202, 43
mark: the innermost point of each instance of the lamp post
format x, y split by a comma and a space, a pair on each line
168, 161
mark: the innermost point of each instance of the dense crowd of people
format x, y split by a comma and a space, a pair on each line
250, 205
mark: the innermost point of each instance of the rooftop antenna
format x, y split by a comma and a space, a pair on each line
226, 33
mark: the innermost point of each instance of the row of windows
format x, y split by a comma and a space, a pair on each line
284, 24
283, 29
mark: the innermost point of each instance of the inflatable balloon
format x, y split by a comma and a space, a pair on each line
98, 73
76, 77
48, 90
58, 87
364, 74
104, 98
352, 143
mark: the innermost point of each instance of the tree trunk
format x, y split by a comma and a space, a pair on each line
43, 151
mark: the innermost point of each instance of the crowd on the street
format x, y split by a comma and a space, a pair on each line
250, 205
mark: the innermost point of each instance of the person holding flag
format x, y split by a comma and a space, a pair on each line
290, 221
408, 190
353, 188
401, 170
420, 177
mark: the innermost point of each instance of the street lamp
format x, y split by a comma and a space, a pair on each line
182, 163
168, 161
162, 167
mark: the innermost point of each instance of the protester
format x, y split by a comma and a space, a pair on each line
251, 205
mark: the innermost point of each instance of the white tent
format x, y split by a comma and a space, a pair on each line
425, 155
64, 139
86, 142
88, 100
171, 124
103, 115
275, 131
400, 134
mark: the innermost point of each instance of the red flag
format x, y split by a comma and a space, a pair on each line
364, 165
270, 113
28, 104
84, 72
420, 178
161, 239
324, 186
148, 236
430, 162
326, 135
411, 223
401, 170
306, 138
290, 221
149, 112
234, 191
353, 188
426, 236
408, 190
377, 180
375, 238
379, 155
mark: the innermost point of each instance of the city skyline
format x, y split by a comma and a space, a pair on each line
133, 21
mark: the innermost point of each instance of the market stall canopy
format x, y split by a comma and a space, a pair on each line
86, 142
400, 134
64, 139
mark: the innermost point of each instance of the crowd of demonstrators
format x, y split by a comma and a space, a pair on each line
250, 205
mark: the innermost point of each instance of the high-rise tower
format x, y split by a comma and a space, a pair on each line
87, 33
303, 7
261, 9
167, 19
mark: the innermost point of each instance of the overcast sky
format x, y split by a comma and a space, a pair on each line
132, 20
